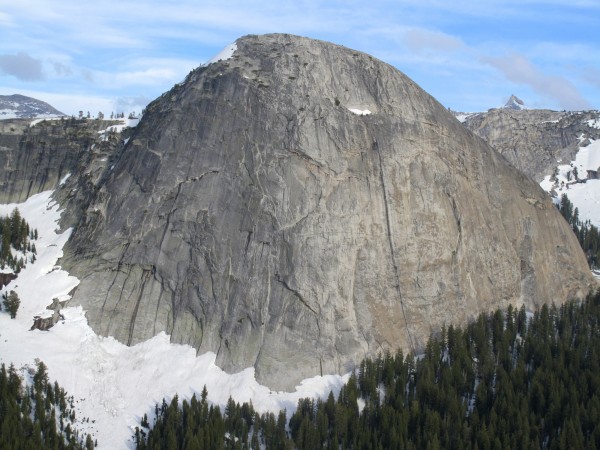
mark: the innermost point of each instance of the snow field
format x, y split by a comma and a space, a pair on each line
115, 385
584, 196
118, 128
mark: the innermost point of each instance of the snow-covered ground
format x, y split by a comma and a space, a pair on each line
224, 54
40, 119
114, 385
120, 127
584, 196
11, 114
462, 117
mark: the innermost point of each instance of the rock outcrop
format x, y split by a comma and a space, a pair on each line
535, 141
255, 213
36, 158
46, 321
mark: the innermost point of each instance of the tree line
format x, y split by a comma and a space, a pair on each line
504, 381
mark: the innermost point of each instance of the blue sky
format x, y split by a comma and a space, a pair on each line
109, 55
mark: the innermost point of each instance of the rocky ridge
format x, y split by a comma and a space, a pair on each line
36, 158
254, 214
535, 141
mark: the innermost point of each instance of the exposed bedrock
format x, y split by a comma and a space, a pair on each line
254, 215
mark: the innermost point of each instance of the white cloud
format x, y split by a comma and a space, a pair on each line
6, 20
592, 76
61, 69
420, 40
131, 104
518, 69
149, 77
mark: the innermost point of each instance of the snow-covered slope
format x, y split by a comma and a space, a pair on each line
114, 385
579, 180
21, 107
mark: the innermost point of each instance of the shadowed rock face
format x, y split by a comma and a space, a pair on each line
254, 215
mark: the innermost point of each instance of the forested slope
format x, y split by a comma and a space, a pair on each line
505, 381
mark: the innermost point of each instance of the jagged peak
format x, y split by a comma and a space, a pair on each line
515, 103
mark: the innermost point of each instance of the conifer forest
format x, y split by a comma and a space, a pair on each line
506, 381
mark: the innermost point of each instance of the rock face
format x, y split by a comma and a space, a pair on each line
253, 214
535, 141
35, 159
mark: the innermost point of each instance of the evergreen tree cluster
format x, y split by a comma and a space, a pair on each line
587, 234
11, 302
504, 381
16, 234
36, 416
198, 425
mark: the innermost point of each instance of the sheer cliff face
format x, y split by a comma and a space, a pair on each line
254, 215
35, 159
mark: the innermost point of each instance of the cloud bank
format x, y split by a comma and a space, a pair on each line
22, 66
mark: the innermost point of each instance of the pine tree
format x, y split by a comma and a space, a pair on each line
12, 303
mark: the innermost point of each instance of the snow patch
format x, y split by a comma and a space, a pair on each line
64, 179
360, 112
124, 123
7, 114
43, 118
224, 54
594, 123
115, 385
462, 117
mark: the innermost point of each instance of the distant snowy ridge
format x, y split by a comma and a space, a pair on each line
21, 107
114, 385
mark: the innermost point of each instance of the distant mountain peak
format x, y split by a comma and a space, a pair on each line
515, 103
22, 107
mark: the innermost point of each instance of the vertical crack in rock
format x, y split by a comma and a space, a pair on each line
458, 225
391, 242
296, 294
143, 280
